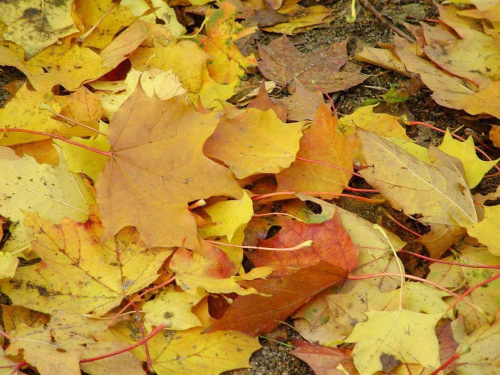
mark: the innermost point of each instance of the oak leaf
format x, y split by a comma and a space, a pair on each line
255, 314
331, 243
260, 142
157, 167
281, 62
322, 142
80, 272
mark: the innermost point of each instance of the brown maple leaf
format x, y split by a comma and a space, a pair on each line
255, 314
157, 167
282, 63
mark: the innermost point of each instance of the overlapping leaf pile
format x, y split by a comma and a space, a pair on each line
131, 186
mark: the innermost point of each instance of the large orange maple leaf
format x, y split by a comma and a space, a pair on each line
157, 167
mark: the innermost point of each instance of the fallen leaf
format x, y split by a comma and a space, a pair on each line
323, 360
168, 15
69, 275
227, 217
303, 104
34, 25
158, 167
124, 44
226, 62
281, 62
300, 19
392, 337
125, 363
263, 102
108, 17
25, 188
454, 277
172, 308
255, 314
331, 243
487, 231
173, 57
479, 351
322, 142
260, 142
39, 351
475, 168
214, 352
68, 66
438, 191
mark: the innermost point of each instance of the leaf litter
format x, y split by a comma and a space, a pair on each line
161, 216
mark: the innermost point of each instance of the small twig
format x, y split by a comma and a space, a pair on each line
385, 21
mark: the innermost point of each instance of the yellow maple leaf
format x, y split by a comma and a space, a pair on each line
68, 66
261, 142
35, 25
390, 337
173, 57
475, 168
300, 19
113, 17
487, 231
80, 272
187, 352
52, 191
172, 308
227, 217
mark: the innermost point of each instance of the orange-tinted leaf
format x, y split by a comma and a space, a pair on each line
331, 243
322, 142
324, 360
255, 314
158, 167
282, 63
263, 102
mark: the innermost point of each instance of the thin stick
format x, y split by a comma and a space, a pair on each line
138, 343
385, 21
411, 277
460, 298
46, 107
298, 247
16, 130
445, 262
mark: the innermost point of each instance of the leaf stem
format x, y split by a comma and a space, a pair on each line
445, 262
369, 200
138, 343
411, 277
46, 107
55, 136
298, 247
143, 333
328, 165
140, 296
384, 211
470, 290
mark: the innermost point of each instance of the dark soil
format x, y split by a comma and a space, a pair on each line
274, 358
